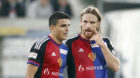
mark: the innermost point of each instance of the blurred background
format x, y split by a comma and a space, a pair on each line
22, 22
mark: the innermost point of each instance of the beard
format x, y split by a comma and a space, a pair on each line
88, 33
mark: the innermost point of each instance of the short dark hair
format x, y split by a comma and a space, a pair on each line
57, 16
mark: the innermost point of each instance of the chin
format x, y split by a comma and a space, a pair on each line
88, 36
64, 38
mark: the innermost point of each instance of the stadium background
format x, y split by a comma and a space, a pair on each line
120, 23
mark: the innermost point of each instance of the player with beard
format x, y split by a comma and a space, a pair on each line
89, 54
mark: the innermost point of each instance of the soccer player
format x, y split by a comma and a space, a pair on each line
89, 54
47, 57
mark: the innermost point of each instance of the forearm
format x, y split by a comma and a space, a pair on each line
112, 61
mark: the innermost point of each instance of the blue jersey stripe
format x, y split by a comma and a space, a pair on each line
63, 53
29, 62
99, 62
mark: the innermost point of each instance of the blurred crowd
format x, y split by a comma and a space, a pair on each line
33, 8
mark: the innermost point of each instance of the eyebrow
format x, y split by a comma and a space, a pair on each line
88, 21
65, 24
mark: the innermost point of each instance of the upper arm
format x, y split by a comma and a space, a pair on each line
33, 62
34, 56
31, 71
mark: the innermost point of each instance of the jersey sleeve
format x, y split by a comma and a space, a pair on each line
69, 52
70, 61
36, 55
70, 58
110, 46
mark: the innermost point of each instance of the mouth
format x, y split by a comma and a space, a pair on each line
88, 31
66, 34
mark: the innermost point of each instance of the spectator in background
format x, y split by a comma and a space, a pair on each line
0, 7
40, 9
63, 6
32, 0
12, 9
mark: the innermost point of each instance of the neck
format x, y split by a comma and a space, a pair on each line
58, 41
87, 38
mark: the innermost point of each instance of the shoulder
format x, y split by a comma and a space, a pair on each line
70, 40
106, 39
41, 42
73, 38
108, 42
34, 4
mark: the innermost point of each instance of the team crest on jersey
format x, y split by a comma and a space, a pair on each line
60, 62
92, 56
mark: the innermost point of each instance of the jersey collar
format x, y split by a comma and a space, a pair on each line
82, 38
54, 41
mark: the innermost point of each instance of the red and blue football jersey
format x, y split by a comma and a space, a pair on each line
85, 58
49, 56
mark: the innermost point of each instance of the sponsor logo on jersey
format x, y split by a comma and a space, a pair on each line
81, 50
91, 68
92, 56
53, 73
63, 51
53, 54
33, 55
81, 68
60, 62
56, 74
46, 71
94, 45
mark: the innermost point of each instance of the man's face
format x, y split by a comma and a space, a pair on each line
89, 22
60, 30
44, 2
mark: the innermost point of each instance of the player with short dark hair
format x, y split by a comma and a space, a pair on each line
89, 54
47, 57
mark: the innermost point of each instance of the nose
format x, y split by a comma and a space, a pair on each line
67, 28
88, 25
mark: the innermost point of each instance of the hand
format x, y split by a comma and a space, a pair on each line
97, 37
